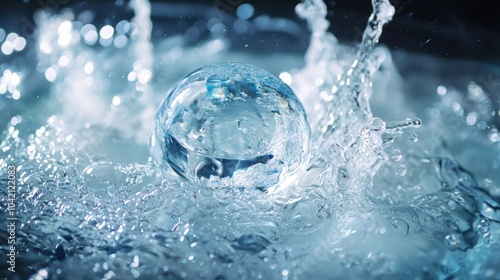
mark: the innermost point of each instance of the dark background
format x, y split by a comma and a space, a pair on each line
455, 29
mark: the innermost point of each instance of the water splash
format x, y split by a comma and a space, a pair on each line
376, 201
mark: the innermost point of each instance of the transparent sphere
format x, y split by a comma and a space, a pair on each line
231, 124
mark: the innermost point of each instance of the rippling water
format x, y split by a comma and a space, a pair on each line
402, 180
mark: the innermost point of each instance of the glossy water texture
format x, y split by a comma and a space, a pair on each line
402, 181
233, 124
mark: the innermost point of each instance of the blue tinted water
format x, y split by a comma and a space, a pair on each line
396, 185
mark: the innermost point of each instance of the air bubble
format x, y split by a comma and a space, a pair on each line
401, 170
233, 122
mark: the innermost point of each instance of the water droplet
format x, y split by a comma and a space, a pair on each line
377, 124
471, 118
401, 170
50, 74
245, 11
413, 122
441, 90
106, 32
396, 155
233, 122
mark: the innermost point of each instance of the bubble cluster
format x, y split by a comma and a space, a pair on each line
10, 82
13, 42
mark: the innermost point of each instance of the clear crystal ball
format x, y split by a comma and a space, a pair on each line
231, 124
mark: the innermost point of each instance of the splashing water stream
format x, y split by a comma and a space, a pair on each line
373, 201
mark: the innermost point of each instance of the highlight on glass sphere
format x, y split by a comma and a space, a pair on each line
231, 124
